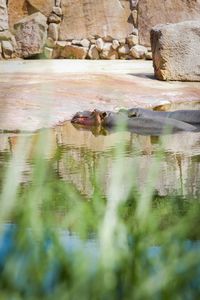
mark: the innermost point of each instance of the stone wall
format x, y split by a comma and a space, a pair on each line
7, 40
3, 16
153, 12
86, 19
100, 29
93, 29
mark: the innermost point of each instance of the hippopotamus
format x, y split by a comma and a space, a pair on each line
135, 120
187, 116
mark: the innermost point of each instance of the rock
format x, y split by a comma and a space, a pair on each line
108, 52
132, 40
96, 36
59, 47
66, 43
135, 17
148, 56
175, 50
57, 10
122, 41
3, 16
100, 44
58, 3
126, 57
62, 44
7, 49
43, 6
76, 42
53, 18
85, 18
5, 35
93, 52
53, 31
0, 51
8, 36
138, 51
48, 53
92, 40
135, 31
75, 52
123, 50
31, 34
127, 8
14, 43
17, 10
107, 38
115, 44
153, 12
3, 4
50, 43
84, 43
133, 4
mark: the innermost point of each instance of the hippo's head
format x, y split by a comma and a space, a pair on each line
89, 118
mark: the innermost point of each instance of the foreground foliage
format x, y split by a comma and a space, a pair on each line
122, 244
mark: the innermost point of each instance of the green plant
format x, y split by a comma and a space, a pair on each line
129, 244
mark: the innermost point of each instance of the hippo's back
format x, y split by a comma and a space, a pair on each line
188, 116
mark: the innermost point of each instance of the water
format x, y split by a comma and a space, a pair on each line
76, 156
81, 153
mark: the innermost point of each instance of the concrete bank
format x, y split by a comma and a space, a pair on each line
36, 94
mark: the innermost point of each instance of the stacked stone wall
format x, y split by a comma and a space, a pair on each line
101, 29
7, 40
85, 29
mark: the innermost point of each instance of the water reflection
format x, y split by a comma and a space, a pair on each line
83, 152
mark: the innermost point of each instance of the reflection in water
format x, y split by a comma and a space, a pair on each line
83, 152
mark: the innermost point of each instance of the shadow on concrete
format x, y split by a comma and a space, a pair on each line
143, 75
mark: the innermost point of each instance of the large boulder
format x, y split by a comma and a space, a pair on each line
138, 51
7, 49
3, 15
59, 48
5, 35
108, 52
93, 52
86, 18
8, 43
17, 10
43, 6
175, 50
153, 12
74, 52
31, 34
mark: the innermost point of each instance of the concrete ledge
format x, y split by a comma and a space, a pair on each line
36, 94
76, 66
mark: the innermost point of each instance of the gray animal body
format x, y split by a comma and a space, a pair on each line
142, 121
188, 116
146, 124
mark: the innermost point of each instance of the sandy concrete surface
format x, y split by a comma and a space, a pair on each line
43, 93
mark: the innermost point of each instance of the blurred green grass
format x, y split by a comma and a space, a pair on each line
131, 245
